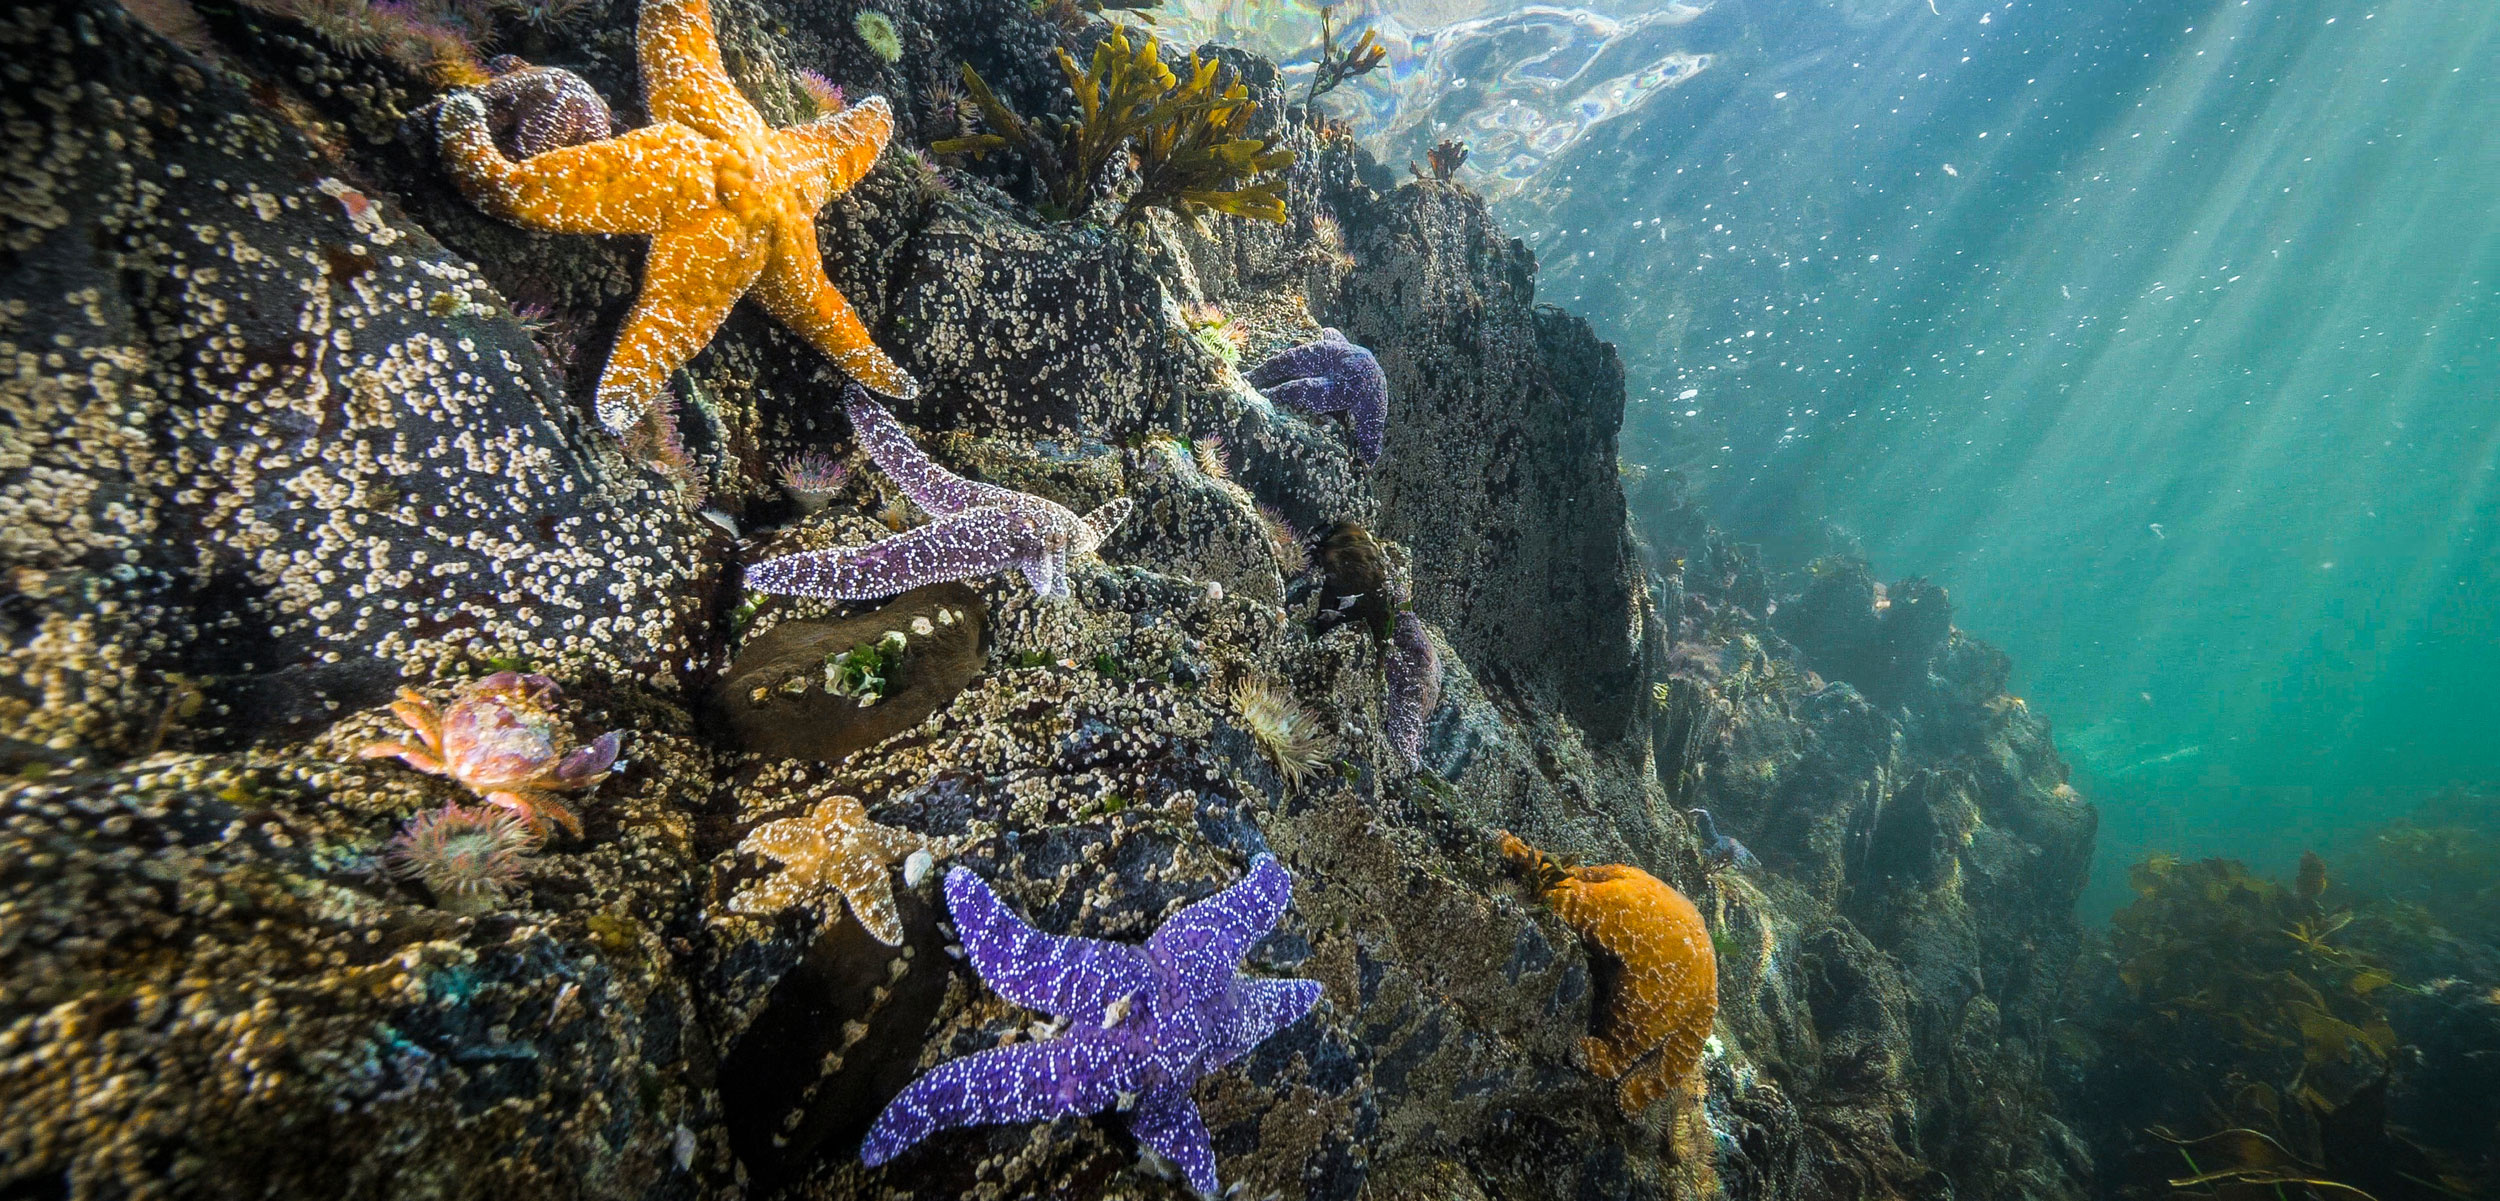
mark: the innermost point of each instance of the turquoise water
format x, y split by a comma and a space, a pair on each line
2167, 336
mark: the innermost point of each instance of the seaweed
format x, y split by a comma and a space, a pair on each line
1338, 64
1181, 138
2216, 957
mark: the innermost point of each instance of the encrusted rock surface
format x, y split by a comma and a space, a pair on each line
273, 442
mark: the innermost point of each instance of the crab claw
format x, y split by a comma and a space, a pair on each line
592, 759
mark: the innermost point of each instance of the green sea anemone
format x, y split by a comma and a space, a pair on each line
877, 30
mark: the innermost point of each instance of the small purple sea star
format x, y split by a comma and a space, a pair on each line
1414, 686
1144, 1022
980, 529
534, 109
1332, 375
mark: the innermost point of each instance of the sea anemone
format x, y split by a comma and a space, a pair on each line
1212, 461
824, 92
467, 857
655, 439
898, 514
812, 478
1281, 726
1293, 551
877, 30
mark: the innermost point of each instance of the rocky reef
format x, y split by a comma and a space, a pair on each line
289, 425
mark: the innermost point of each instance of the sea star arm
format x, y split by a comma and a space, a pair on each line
1308, 359
962, 547
682, 79
832, 152
795, 291
1075, 978
1261, 1008
637, 182
1022, 1083
1309, 393
1205, 940
942, 492
1102, 521
1168, 1121
694, 273
1048, 573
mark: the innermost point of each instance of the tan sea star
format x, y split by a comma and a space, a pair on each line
729, 202
832, 849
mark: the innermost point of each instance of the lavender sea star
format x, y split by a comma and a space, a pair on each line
1332, 375
1144, 1022
980, 529
1414, 686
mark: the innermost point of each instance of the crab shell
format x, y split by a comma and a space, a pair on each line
499, 738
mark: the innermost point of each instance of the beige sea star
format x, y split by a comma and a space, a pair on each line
832, 849
728, 201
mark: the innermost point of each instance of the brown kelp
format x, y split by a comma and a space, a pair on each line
1182, 136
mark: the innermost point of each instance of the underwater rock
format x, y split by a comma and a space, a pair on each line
1500, 470
785, 694
1355, 581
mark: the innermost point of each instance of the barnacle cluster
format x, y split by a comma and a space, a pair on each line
1183, 133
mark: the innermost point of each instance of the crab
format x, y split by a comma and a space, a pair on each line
499, 738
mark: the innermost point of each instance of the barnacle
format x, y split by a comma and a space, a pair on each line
1655, 1012
1281, 726
1182, 137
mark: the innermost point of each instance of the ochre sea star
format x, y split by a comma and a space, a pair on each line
729, 202
833, 850
1144, 1024
1658, 1011
980, 529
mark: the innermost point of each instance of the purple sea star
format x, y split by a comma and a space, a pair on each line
1414, 686
534, 109
1332, 375
1144, 1022
980, 529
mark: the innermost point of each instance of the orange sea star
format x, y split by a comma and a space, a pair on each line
833, 851
1657, 1013
729, 202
